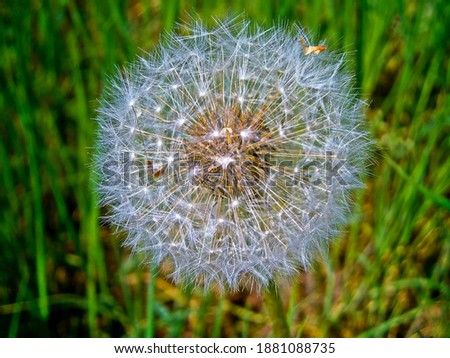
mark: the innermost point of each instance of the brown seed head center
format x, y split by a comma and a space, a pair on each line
229, 151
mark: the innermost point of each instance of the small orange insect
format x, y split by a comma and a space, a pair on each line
311, 50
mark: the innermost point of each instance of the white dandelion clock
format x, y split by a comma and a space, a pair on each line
230, 153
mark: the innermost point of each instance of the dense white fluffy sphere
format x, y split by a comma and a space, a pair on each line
230, 153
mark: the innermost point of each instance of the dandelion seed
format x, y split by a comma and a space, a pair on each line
255, 183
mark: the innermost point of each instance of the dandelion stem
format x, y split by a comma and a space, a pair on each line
150, 330
276, 311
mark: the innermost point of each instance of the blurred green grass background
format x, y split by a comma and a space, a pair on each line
64, 275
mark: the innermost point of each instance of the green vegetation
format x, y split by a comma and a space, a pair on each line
63, 274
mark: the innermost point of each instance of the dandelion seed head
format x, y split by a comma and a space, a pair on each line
231, 154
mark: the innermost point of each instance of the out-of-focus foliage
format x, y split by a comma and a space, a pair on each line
63, 274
